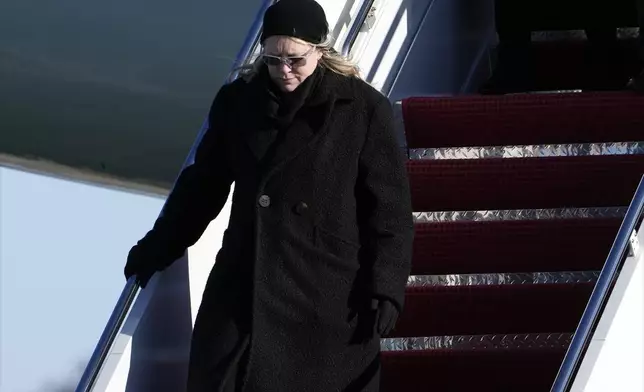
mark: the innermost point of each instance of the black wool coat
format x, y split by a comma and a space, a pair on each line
319, 225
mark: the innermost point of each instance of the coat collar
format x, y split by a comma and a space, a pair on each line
309, 125
335, 87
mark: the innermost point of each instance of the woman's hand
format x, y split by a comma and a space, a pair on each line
386, 316
140, 266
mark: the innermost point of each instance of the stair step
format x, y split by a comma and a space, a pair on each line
524, 183
499, 370
566, 65
512, 246
505, 278
492, 309
477, 342
548, 15
529, 151
523, 119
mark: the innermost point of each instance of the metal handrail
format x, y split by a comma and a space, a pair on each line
356, 25
388, 87
131, 289
96, 361
600, 295
252, 40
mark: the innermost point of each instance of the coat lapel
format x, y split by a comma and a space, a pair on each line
258, 140
310, 123
253, 129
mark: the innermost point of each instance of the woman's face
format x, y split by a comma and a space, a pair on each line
289, 62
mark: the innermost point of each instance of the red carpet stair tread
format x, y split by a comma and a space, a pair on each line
459, 370
492, 309
524, 183
512, 246
528, 119
516, 246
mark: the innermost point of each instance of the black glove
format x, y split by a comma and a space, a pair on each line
375, 319
147, 257
386, 316
140, 264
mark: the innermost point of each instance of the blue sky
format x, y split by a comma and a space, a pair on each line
62, 250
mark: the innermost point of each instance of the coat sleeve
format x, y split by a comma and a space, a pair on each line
199, 194
384, 208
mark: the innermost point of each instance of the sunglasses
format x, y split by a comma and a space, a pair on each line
290, 61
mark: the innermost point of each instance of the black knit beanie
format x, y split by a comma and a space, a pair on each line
303, 19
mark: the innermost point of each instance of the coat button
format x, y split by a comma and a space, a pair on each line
301, 207
264, 201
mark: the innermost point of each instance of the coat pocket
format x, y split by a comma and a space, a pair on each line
335, 245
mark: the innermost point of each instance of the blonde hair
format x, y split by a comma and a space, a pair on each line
330, 59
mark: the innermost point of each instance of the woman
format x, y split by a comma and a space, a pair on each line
316, 256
